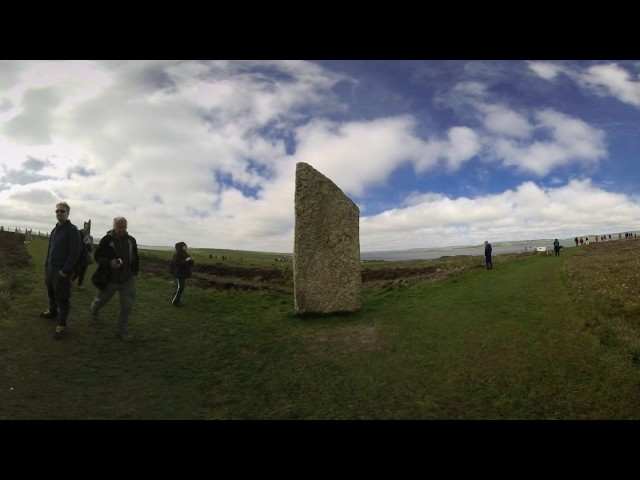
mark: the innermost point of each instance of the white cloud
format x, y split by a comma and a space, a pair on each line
205, 152
471, 89
616, 81
527, 212
357, 155
608, 79
173, 146
546, 70
499, 120
463, 143
565, 141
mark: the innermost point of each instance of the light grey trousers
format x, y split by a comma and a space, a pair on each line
127, 293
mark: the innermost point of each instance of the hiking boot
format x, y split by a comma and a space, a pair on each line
48, 314
59, 332
178, 304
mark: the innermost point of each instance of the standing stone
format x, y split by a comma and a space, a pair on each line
326, 251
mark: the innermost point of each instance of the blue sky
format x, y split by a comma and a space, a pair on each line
434, 152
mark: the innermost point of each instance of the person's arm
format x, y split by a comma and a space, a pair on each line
103, 254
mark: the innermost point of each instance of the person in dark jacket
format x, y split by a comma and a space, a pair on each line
487, 254
118, 266
556, 247
83, 262
62, 254
181, 267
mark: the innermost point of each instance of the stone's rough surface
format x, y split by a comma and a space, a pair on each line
326, 251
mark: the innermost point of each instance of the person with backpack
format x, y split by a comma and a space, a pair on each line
181, 268
556, 247
62, 255
84, 260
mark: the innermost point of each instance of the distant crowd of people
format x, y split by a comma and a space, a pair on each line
599, 238
488, 250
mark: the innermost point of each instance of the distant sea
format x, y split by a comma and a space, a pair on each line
498, 249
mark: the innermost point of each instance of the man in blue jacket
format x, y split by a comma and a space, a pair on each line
62, 253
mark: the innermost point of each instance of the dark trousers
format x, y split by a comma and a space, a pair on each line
81, 274
180, 289
59, 291
489, 262
557, 250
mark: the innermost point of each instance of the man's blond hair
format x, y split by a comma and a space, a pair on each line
65, 205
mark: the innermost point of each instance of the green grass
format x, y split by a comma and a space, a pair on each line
518, 342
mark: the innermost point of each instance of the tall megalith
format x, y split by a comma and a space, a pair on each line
326, 250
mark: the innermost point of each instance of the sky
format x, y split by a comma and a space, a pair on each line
434, 153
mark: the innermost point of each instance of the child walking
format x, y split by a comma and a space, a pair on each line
181, 268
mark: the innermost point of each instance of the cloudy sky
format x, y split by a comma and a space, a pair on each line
434, 153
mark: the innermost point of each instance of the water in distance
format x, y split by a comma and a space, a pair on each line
437, 252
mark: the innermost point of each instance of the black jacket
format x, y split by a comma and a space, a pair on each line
110, 248
181, 267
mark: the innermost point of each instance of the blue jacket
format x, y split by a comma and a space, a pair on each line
64, 248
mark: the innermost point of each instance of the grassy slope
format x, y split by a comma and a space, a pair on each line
508, 343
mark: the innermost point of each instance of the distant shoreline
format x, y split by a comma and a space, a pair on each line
499, 248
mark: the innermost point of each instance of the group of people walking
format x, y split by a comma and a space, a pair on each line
488, 252
118, 264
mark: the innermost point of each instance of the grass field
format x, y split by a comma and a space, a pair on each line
538, 337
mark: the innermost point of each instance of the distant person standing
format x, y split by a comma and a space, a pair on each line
62, 254
576, 240
118, 264
556, 247
181, 267
88, 242
487, 255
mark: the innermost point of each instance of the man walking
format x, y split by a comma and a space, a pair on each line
118, 262
487, 255
62, 253
556, 247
